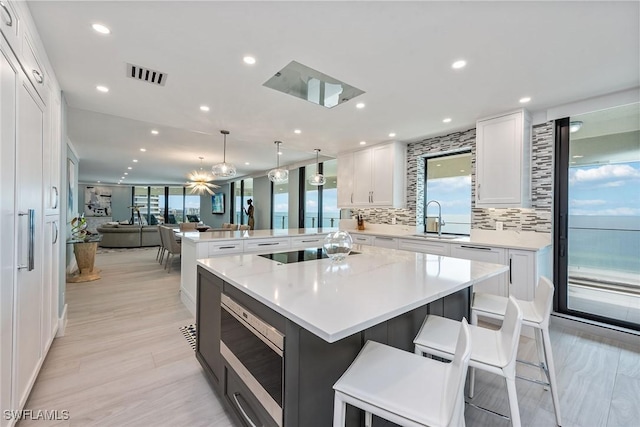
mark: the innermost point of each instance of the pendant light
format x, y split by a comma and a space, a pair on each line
278, 175
199, 181
318, 178
224, 169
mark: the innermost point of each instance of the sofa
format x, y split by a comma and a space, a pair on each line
128, 236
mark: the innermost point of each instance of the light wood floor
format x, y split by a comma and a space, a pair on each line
123, 362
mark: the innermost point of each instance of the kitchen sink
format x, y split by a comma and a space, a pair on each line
435, 236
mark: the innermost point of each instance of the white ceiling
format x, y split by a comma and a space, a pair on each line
399, 53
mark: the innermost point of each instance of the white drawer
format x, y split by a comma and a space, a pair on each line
32, 66
425, 246
385, 242
314, 241
266, 245
362, 239
225, 248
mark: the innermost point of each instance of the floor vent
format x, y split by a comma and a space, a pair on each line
146, 75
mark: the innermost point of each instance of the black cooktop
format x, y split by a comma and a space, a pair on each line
298, 256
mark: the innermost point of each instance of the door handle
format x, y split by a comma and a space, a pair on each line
510, 277
55, 239
242, 411
475, 247
479, 197
8, 23
38, 76
55, 205
30, 214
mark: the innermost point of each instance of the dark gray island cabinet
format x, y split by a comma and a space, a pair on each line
273, 338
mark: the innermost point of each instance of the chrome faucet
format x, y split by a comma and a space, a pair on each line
440, 221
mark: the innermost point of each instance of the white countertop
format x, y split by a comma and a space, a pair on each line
335, 300
526, 240
253, 234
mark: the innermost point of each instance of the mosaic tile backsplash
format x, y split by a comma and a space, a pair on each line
537, 218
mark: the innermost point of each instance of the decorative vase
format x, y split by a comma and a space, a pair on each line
338, 245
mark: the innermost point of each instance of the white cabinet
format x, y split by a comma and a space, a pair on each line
51, 268
385, 242
425, 246
10, 24
503, 161
51, 153
312, 241
228, 247
374, 177
267, 245
496, 285
362, 239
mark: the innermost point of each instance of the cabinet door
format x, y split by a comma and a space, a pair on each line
51, 155
208, 321
362, 171
345, 180
499, 161
51, 266
522, 274
9, 72
28, 352
10, 25
382, 175
495, 285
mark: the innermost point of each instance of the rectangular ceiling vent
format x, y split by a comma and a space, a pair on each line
146, 75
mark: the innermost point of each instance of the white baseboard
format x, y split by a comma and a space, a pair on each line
188, 301
62, 322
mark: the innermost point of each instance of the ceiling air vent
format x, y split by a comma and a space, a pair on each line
146, 75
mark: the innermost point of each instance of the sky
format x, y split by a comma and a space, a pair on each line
611, 190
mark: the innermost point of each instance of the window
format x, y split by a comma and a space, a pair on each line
237, 203
247, 193
140, 211
311, 203
176, 205
448, 181
280, 206
192, 207
156, 205
330, 211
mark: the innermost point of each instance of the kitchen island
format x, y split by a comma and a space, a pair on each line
196, 245
314, 316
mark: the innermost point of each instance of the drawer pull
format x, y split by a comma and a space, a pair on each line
268, 244
38, 76
310, 241
55, 205
510, 281
227, 247
475, 247
8, 23
384, 238
242, 411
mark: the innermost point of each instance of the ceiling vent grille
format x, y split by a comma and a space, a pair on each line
146, 75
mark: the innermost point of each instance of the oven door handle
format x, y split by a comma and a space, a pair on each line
242, 411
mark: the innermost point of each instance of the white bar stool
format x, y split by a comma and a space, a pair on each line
536, 314
404, 388
493, 351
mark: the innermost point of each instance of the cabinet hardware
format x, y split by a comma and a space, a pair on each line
352, 198
479, 197
242, 411
226, 247
372, 197
55, 239
38, 76
31, 245
8, 23
510, 281
384, 238
475, 247
310, 241
268, 244
55, 205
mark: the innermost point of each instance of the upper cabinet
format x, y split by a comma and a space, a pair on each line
373, 177
503, 161
10, 24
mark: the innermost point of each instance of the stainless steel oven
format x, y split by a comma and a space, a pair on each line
254, 350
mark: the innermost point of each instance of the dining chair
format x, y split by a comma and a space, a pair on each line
404, 388
188, 226
172, 245
493, 351
535, 314
161, 248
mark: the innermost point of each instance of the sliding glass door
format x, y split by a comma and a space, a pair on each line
598, 215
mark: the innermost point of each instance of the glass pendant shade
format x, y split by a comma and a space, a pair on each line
199, 181
224, 169
318, 178
278, 175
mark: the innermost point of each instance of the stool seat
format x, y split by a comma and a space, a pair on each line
494, 306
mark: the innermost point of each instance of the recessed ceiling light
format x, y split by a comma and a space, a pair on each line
247, 163
391, 135
129, 168
297, 131
438, 164
135, 161
126, 173
459, 64
122, 177
363, 142
279, 153
154, 132
102, 89
204, 108
360, 105
101, 29
446, 120
577, 156
98, 182
525, 100
461, 170
143, 149
249, 60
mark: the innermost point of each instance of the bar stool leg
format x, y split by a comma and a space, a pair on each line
513, 401
542, 364
339, 411
472, 382
551, 372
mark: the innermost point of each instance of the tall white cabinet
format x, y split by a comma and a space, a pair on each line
503, 161
30, 162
